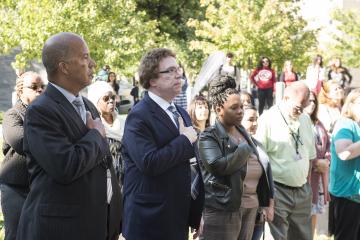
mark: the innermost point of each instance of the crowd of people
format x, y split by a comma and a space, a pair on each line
73, 170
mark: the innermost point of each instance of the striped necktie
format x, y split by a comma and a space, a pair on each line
175, 114
109, 191
80, 107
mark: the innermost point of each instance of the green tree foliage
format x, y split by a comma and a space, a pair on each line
252, 29
116, 32
172, 17
347, 39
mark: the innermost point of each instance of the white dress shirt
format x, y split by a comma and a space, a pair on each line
163, 104
71, 97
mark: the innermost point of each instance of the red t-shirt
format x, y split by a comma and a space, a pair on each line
263, 78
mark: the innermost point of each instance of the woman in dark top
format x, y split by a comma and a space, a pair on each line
115, 86
232, 172
200, 118
339, 73
14, 177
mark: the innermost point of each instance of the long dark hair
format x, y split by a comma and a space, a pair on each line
198, 100
260, 63
315, 60
313, 116
108, 79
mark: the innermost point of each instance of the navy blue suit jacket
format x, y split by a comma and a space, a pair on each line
157, 174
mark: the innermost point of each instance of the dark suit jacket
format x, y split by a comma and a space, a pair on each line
67, 164
157, 174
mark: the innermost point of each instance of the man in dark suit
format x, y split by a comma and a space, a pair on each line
158, 143
73, 190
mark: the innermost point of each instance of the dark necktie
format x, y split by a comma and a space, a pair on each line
175, 114
80, 108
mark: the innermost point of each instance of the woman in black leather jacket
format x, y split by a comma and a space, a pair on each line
226, 153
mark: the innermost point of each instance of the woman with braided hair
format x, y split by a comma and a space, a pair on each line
14, 177
230, 167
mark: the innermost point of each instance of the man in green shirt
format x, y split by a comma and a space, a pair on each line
288, 139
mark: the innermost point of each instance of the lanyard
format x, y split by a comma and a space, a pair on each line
294, 135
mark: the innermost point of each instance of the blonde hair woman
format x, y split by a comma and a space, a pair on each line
331, 98
345, 169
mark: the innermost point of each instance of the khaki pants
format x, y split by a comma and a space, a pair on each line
292, 218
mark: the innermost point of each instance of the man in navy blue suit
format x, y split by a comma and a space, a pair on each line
158, 143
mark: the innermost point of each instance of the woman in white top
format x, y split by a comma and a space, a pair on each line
315, 75
102, 95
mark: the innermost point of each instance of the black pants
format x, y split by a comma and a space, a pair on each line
265, 96
346, 219
12, 201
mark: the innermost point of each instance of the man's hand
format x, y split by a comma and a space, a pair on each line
95, 124
189, 132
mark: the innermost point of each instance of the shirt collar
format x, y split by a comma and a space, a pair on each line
160, 101
68, 95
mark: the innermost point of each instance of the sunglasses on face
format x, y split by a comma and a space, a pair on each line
36, 87
108, 97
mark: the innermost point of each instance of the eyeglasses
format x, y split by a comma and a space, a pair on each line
172, 70
108, 97
36, 87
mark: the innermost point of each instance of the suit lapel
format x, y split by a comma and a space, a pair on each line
65, 105
160, 114
184, 115
91, 108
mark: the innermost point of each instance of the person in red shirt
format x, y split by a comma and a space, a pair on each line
264, 78
288, 75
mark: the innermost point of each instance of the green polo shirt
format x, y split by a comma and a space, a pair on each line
275, 135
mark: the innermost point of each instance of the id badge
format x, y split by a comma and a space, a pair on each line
297, 157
